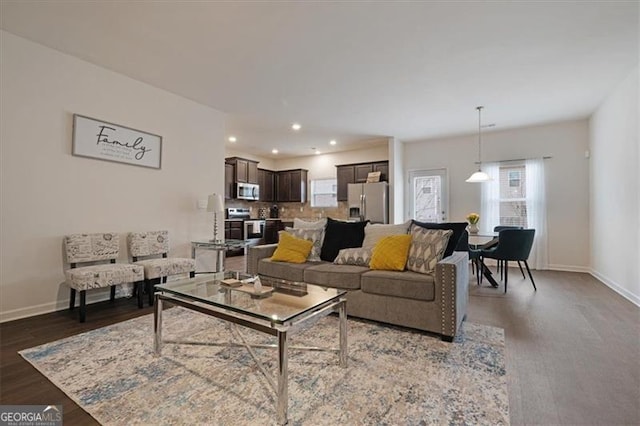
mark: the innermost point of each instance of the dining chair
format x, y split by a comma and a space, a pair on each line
145, 247
86, 254
513, 245
500, 264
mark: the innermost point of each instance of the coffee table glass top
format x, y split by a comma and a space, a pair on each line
287, 300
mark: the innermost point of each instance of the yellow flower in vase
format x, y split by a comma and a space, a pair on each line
473, 219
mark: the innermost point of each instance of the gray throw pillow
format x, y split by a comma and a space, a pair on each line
427, 248
313, 235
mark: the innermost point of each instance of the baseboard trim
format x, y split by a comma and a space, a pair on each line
47, 308
633, 298
569, 268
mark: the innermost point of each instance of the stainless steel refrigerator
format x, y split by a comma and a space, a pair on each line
369, 201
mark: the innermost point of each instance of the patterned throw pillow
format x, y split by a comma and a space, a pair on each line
303, 224
390, 254
374, 232
359, 256
291, 249
427, 248
313, 235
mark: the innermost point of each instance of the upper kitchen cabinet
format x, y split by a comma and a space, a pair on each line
228, 181
245, 171
292, 186
357, 173
383, 168
266, 180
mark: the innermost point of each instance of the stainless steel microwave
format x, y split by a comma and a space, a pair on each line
248, 191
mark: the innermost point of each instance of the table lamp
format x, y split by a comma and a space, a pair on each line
215, 205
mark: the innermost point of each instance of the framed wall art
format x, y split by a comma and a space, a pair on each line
102, 140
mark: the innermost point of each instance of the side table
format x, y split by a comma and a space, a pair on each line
219, 247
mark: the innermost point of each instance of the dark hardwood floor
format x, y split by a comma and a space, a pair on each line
572, 349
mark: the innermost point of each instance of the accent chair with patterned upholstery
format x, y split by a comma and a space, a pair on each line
149, 245
91, 249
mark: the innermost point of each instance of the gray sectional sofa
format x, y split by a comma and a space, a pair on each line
436, 303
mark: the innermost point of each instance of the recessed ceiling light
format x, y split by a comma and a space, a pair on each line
232, 139
296, 126
332, 142
318, 152
274, 151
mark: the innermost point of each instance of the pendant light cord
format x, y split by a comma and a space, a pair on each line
479, 108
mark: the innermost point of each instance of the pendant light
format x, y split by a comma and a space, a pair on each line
479, 176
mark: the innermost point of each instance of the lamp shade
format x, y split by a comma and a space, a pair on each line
215, 203
479, 176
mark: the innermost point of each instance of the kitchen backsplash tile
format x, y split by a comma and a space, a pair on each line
293, 210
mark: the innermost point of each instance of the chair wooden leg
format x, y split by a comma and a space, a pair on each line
505, 267
112, 297
192, 274
151, 286
72, 299
83, 305
530, 276
139, 286
521, 271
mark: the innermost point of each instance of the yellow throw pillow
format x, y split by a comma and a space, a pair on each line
291, 249
390, 253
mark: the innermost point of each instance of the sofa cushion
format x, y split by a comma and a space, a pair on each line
291, 249
427, 247
338, 276
358, 256
390, 253
374, 232
407, 284
283, 270
309, 234
458, 229
340, 235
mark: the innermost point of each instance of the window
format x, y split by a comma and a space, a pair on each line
513, 196
324, 193
516, 196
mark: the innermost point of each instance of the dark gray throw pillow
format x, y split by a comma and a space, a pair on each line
339, 235
458, 229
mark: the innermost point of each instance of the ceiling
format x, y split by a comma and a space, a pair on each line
353, 71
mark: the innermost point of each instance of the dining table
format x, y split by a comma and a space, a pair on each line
476, 242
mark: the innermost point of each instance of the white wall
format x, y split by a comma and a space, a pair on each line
324, 165
615, 205
567, 176
47, 193
396, 177
263, 162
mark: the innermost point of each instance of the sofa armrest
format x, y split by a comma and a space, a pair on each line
255, 253
452, 291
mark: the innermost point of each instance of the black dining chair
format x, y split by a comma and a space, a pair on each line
513, 245
500, 264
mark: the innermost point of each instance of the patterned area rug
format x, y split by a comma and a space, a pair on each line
395, 376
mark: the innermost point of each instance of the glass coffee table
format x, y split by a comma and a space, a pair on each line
279, 308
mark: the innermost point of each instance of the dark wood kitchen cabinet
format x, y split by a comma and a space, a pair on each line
357, 173
383, 168
292, 186
361, 171
271, 230
245, 171
266, 180
228, 181
233, 230
345, 175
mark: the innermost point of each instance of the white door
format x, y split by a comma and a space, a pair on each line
428, 195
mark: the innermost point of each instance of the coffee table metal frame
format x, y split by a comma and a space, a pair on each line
279, 329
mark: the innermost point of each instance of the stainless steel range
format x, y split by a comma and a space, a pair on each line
253, 229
